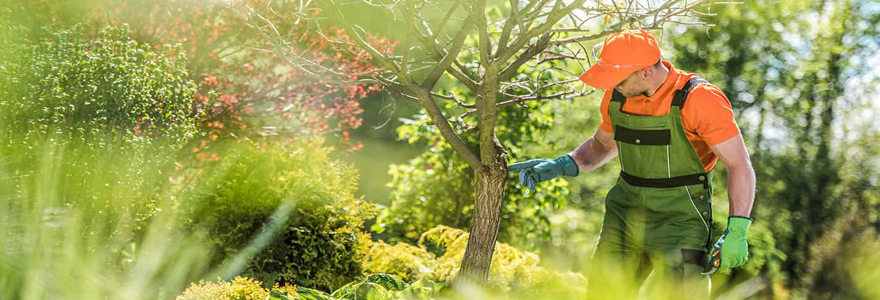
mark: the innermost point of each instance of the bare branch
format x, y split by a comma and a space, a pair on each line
485, 49
393, 107
637, 18
557, 96
450, 56
283, 50
552, 18
459, 72
455, 98
583, 38
350, 30
508, 26
457, 144
686, 8
407, 42
523, 58
444, 21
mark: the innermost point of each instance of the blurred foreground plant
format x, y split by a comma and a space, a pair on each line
295, 195
91, 123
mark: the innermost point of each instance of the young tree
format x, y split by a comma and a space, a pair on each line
487, 44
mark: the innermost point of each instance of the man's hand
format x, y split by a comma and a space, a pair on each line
538, 170
734, 244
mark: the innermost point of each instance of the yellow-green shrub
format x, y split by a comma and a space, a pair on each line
237, 289
402, 260
513, 271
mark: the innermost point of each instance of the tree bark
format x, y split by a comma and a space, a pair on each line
489, 187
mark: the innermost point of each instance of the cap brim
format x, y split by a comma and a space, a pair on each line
602, 78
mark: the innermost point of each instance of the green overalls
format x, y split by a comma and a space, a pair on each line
658, 215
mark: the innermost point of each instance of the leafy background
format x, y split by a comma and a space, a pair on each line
150, 148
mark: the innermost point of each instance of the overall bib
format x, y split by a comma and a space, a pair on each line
658, 215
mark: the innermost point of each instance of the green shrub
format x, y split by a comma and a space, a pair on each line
374, 287
309, 197
90, 124
402, 260
81, 86
101, 103
237, 289
388, 287
513, 272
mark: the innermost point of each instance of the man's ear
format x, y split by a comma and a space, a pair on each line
648, 73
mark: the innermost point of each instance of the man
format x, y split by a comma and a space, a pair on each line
669, 129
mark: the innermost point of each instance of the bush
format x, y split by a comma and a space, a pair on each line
90, 124
93, 118
80, 86
237, 289
513, 272
297, 198
84, 93
373, 287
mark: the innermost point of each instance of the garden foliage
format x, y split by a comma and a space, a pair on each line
438, 258
373, 287
297, 188
91, 122
100, 103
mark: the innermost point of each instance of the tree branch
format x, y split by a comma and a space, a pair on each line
552, 18
350, 30
446, 131
485, 44
407, 42
455, 98
450, 56
582, 38
459, 71
684, 9
523, 58
508, 27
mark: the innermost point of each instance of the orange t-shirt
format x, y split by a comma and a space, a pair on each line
707, 115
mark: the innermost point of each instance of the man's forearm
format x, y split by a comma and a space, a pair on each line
741, 189
592, 154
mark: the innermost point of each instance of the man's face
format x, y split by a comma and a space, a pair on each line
635, 84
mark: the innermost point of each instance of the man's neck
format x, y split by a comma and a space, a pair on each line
659, 80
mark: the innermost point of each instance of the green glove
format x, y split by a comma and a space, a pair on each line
538, 170
734, 244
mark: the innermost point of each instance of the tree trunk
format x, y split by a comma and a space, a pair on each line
489, 187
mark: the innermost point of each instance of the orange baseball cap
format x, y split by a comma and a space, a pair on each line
622, 53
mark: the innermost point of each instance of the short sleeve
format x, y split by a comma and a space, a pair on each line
707, 113
605, 125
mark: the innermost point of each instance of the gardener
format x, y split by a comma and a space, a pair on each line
669, 129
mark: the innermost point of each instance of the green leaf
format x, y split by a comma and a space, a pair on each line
304, 293
387, 281
276, 294
370, 291
344, 292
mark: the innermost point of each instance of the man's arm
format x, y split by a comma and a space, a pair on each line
741, 175
596, 151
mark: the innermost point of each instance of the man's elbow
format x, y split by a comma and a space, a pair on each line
744, 165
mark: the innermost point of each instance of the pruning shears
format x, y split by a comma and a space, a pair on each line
713, 261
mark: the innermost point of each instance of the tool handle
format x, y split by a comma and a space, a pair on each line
713, 262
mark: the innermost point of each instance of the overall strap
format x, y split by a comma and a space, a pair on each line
682, 94
617, 98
